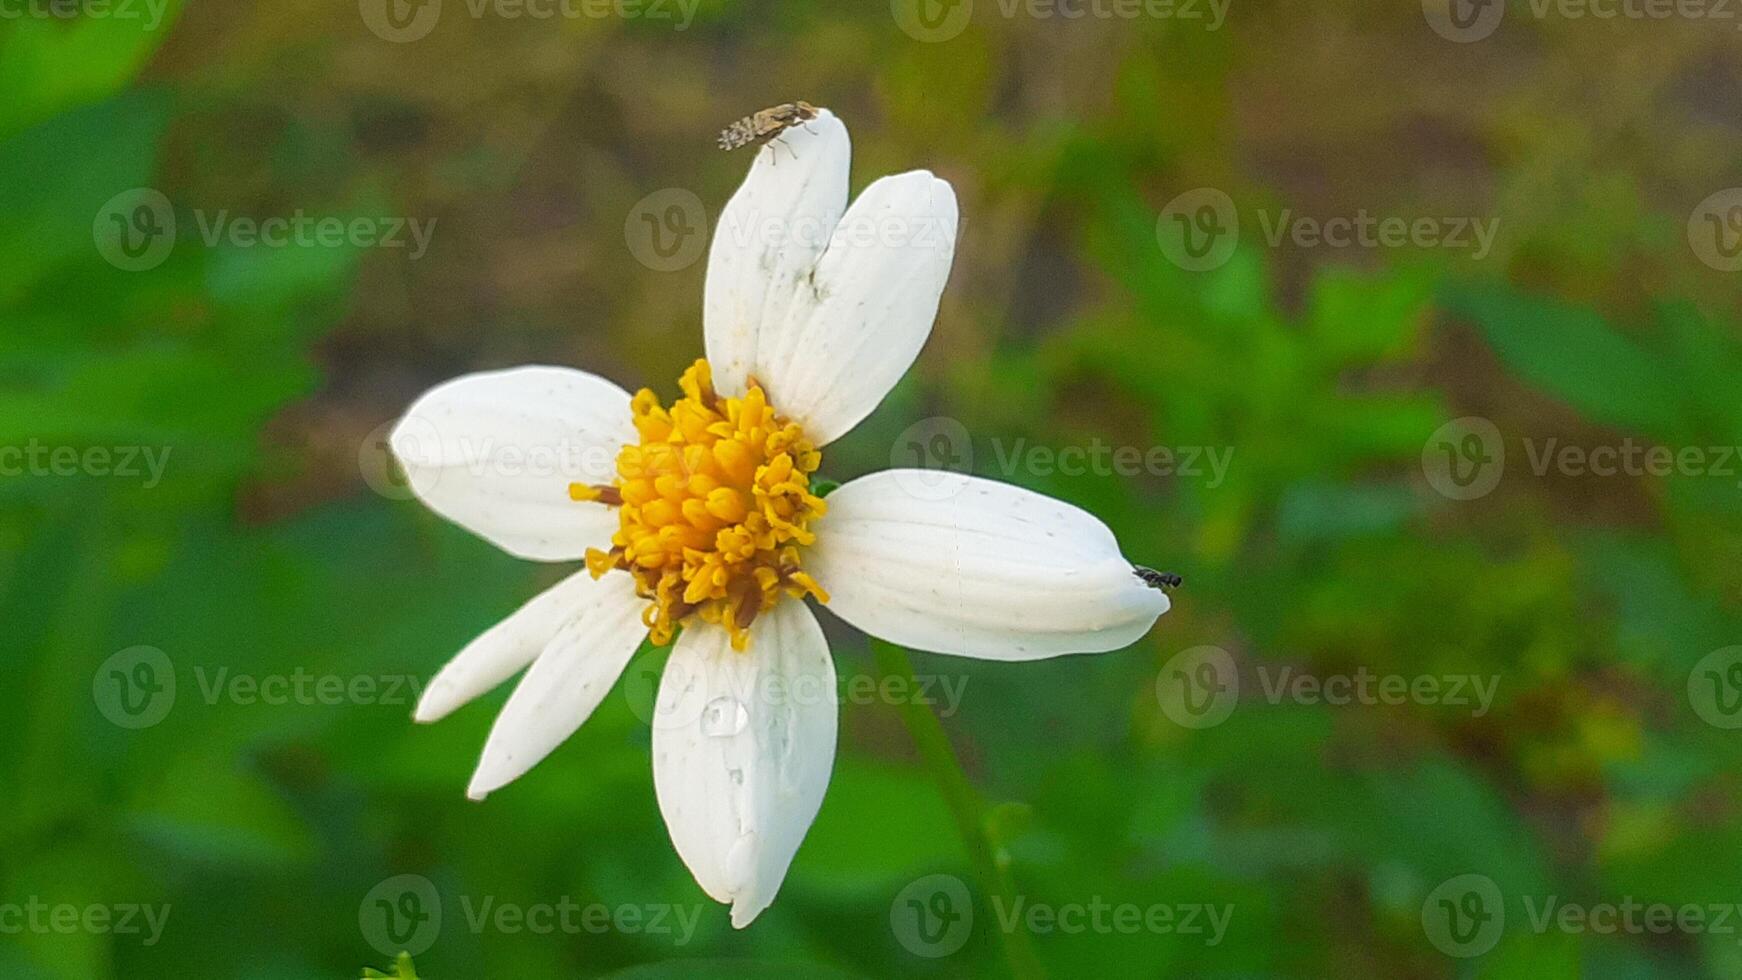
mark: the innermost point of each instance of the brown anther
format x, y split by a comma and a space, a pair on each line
745, 605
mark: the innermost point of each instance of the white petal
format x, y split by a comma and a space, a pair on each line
495, 453
742, 748
860, 320
768, 239
571, 676
506, 648
957, 564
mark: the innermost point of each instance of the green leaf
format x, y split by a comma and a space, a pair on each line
48, 65
1573, 354
48, 205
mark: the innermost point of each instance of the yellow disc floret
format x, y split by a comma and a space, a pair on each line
714, 507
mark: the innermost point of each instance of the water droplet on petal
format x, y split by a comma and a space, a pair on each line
724, 717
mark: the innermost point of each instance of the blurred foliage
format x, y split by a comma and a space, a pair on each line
267, 374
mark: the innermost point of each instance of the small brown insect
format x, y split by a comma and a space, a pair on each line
1165, 581
760, 127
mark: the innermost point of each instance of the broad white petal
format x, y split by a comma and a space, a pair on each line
506, 648
956, 564
860, 320
743, 744
767, 240
495, 453
572, 674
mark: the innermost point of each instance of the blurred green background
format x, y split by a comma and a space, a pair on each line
274, 543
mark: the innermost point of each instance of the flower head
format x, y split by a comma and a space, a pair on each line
703, 517
713, 505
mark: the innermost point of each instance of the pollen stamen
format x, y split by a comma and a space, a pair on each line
714, 504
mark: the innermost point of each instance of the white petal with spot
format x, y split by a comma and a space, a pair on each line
743, 744
957, 564
859, 321
767, 241
495, 453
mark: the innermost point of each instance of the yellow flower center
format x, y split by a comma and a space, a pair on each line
713, 507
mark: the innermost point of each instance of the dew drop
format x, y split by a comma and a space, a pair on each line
724, 717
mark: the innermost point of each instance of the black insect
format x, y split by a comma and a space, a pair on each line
1165, 581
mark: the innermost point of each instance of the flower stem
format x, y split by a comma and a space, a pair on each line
979, 834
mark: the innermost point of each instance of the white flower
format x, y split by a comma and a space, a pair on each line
702, 516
